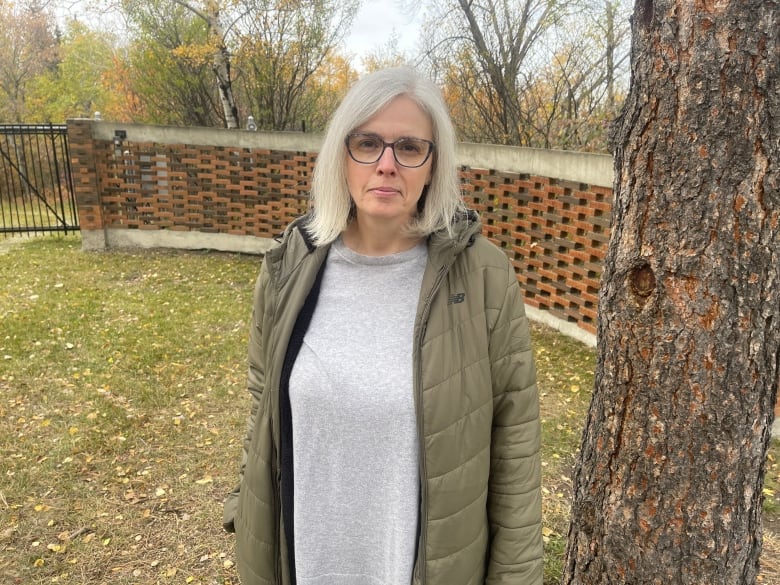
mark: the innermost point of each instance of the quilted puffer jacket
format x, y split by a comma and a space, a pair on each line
477, 412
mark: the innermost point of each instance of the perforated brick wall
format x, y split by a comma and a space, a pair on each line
554, 231
203, 188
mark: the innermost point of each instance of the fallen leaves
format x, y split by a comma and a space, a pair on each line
118, 451
121, 407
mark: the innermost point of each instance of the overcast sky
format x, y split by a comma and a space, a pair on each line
377, 20
374, 24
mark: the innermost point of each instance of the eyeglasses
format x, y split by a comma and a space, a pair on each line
366, 149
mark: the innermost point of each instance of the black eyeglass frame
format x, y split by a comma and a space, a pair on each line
385, 145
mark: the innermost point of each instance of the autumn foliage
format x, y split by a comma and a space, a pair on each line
520, 75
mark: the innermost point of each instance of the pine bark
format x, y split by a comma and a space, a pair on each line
669, 481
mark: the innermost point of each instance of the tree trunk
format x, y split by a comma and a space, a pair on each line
221, 67
668, 486
221, 58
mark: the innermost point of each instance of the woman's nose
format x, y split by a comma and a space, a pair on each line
386, 162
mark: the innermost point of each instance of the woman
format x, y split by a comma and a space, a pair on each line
393, 436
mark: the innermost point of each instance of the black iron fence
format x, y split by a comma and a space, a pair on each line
36, 185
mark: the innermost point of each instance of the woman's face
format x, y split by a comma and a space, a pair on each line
385, 190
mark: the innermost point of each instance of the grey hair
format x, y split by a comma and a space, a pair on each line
330, 198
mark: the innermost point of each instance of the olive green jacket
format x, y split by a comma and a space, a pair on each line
477, 411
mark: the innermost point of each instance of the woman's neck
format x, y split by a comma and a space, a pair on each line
376, 240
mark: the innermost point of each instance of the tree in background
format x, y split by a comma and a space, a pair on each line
325, 90
494, 42
524, 72
76, 86
211, 14
209, 51
169, 65
263, 54
125, 104
281, 45
470, 99
572, 99
28, 48
669, 483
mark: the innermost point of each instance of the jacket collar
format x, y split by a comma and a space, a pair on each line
296, 242
295, 245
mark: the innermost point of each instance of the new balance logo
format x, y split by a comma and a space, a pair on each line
456, 298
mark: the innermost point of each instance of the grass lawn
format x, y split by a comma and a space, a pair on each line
122, 407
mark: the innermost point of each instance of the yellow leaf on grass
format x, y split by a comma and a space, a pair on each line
204, 481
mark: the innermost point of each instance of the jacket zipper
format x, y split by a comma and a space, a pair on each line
277, 510
419, 576
278, 551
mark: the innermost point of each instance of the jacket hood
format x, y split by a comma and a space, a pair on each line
464, 229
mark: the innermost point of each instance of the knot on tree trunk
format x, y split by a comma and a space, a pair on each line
641, 280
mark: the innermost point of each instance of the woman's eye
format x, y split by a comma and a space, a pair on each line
368, 144
409, 146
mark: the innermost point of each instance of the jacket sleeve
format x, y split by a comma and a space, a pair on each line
255, 385
514, 486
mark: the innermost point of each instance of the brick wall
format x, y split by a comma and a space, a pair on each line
552, 224
86, 182
150, 185
555, 232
